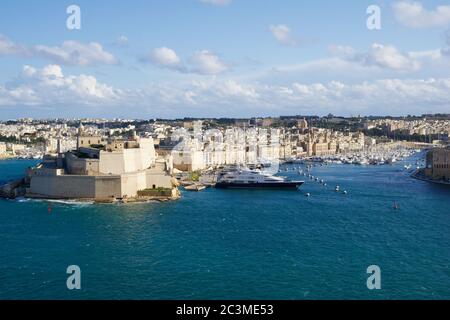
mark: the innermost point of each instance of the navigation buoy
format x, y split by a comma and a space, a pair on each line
49, 208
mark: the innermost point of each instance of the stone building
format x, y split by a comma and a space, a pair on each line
302, 124
438, 164
115, 169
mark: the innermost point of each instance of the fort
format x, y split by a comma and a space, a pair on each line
103, 171
437, 168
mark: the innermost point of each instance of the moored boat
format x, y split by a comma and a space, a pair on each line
254, 179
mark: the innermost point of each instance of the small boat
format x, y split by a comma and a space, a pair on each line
337, 189
195, 187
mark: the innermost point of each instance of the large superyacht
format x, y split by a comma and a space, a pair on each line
254, 179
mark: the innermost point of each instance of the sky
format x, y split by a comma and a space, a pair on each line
223, 58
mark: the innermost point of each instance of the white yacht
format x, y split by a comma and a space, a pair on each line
253, 179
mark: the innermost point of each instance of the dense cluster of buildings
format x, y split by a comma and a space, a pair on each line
193, 145
422, 127
196, 148
27, 138
124, 159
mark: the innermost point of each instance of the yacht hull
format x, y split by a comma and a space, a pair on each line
292, 185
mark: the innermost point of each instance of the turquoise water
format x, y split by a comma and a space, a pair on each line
224, 244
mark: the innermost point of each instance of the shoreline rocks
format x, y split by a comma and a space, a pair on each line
13, 189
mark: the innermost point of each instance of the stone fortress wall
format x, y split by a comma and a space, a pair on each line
117, 173
97, 187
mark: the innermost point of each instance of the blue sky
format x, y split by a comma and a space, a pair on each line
233, 58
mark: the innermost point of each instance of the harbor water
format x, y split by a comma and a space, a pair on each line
236, 244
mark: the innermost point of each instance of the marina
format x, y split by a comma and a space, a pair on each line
385, 155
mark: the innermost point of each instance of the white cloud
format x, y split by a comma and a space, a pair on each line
434, 55
206, 63
201, 62
380, 56
283, 35
8, 47
76, 53
69, 53
217, 2
346, 52
49, 86
165, 57
389, 57
413, 14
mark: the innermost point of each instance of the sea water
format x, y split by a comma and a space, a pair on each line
236, 244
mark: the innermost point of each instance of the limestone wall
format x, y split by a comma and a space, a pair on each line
158, 180
188, 160
63, 186
131, 183
133, 160
76, 186
128, 160
108, 186
111, 162
80, 166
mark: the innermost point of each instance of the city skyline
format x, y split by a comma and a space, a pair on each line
223, 58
